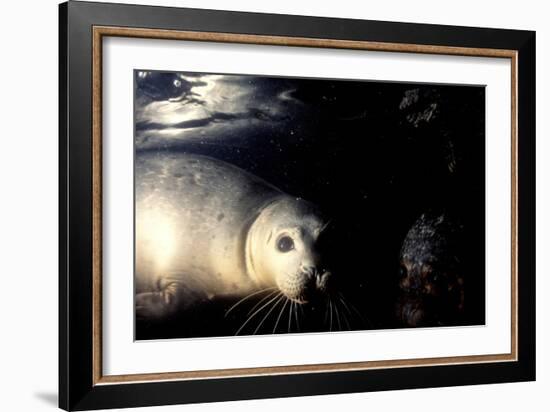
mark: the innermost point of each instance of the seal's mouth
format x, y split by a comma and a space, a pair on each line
412, 312
306, 285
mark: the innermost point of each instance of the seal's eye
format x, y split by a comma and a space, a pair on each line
285, 244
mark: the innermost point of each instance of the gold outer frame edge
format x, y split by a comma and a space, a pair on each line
101, 31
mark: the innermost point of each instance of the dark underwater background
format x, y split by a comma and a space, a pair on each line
372, 155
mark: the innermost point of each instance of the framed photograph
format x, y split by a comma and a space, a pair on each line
257, 205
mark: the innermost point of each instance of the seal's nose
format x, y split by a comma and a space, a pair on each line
321, 279
308, 270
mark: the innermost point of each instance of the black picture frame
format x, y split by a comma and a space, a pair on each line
78, 389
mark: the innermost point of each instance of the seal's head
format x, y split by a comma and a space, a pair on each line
282, 249
431, 278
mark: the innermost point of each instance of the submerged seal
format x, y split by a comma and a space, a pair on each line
205, 226
431, 273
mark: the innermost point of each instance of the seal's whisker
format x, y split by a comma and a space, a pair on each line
280, 298
290, 316
262, 300
344, 314
325, 226
345, 306
296, 315
326, 311
364, 317
255, 313
280, 314
248, 297
330, 312
337, 315
347, 302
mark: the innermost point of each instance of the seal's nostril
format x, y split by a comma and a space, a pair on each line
309, 270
